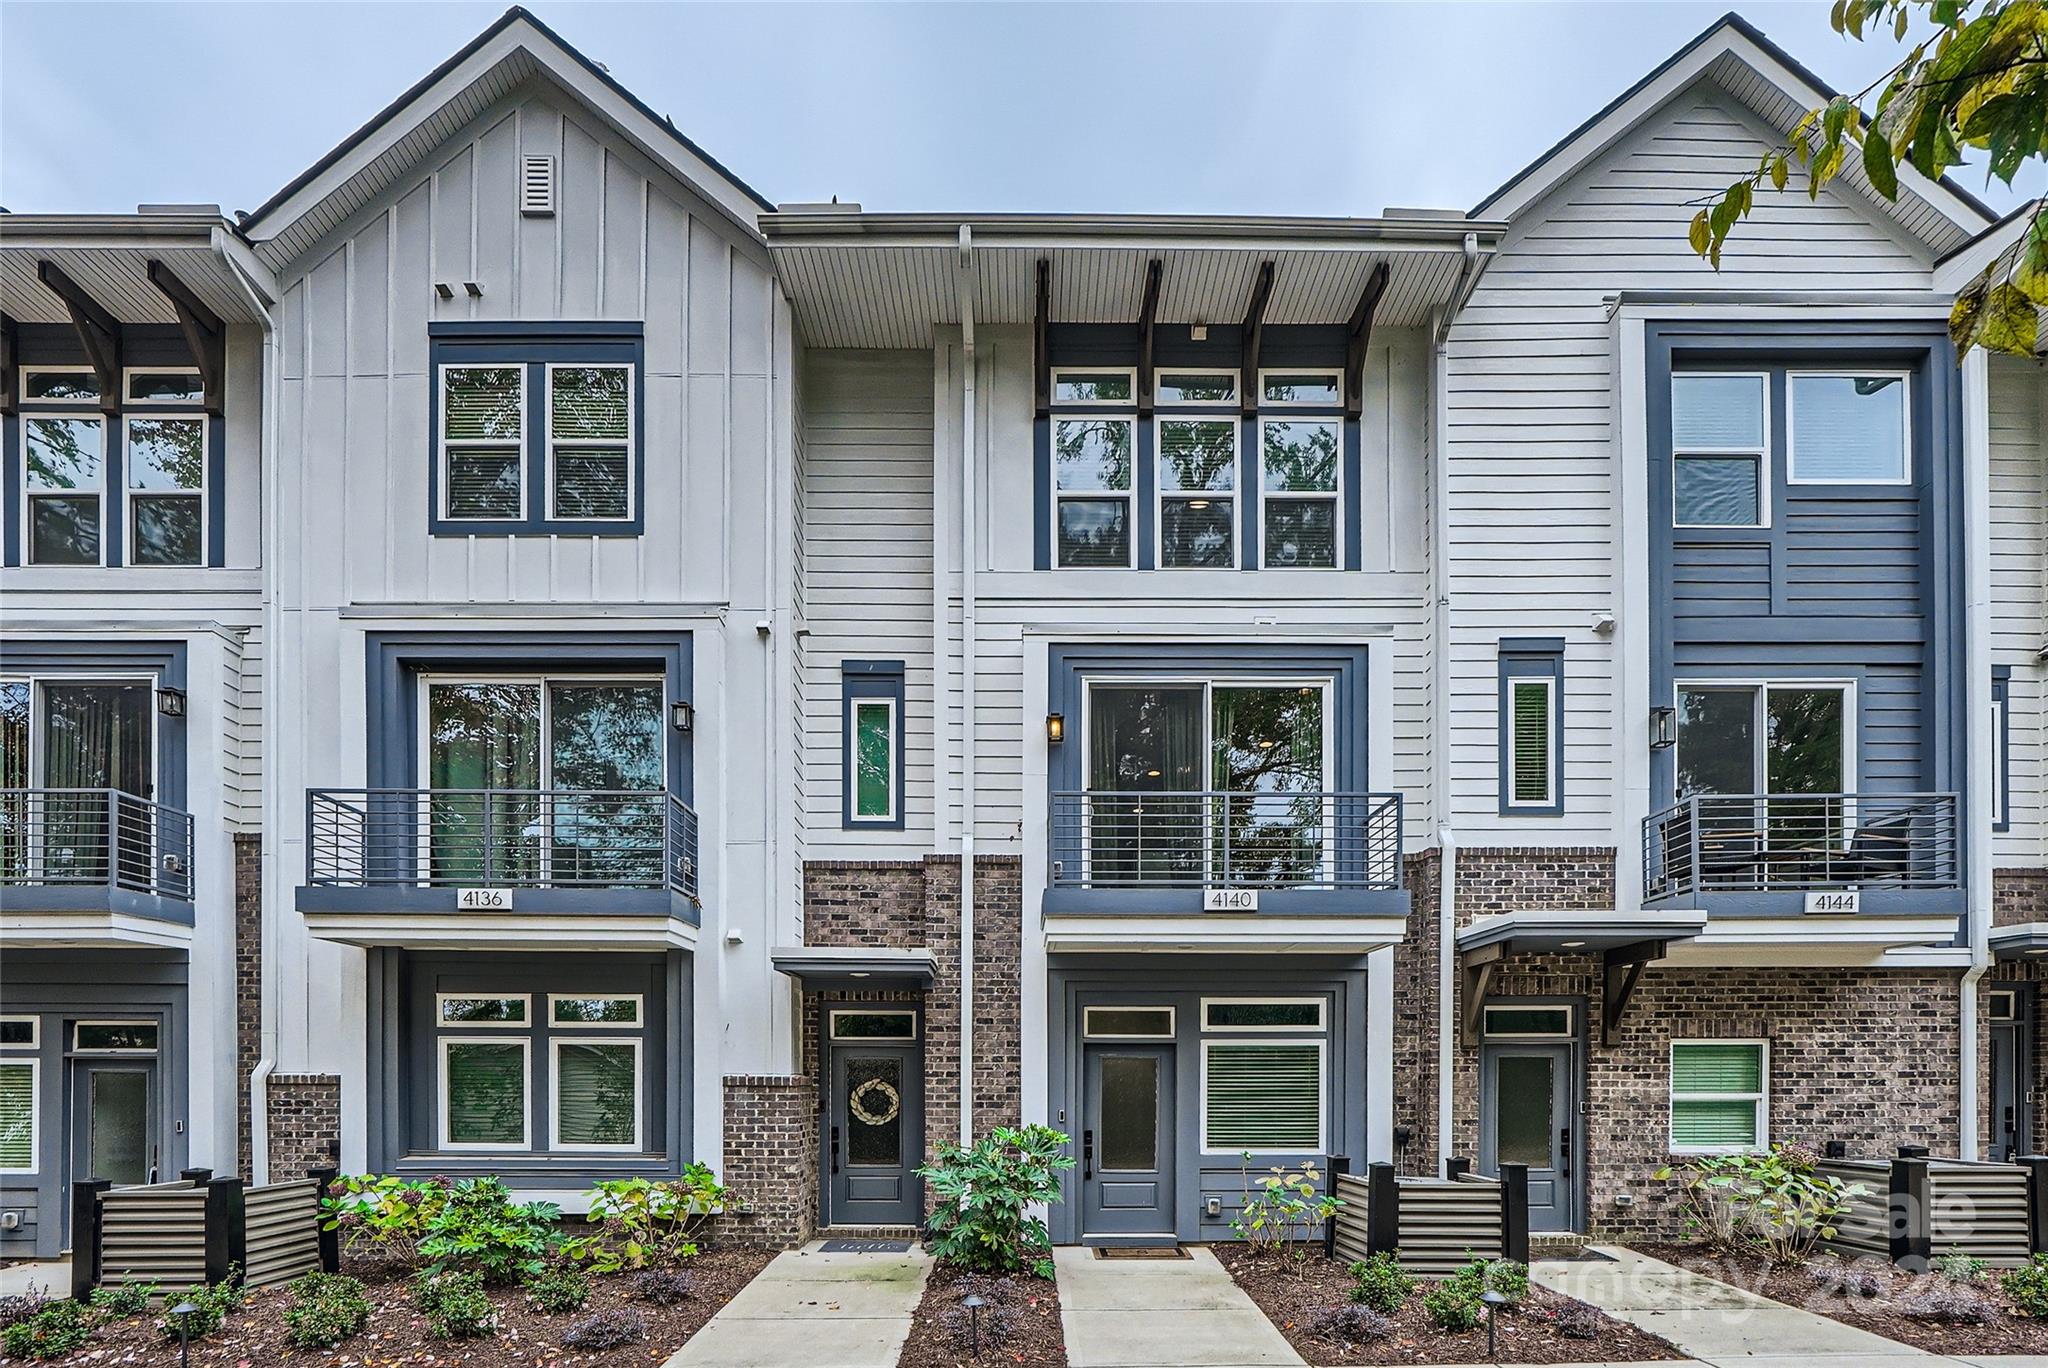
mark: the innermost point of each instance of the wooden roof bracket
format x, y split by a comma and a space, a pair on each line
1360, 338
1254, 335
205, 335
10, 373
1622, 967
1154, 270
1476, 969
1041, 352
97, 331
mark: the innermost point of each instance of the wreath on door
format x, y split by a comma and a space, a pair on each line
857, 1103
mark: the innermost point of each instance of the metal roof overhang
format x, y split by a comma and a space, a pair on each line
2029, 939
855, 966
1572, 933
108, 255
888, 280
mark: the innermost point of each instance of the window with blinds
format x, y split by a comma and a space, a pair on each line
483, 426
1531, 726
1530, 738
18, 1116
590, 427
1719, 1094
1265, 1096
483, 1094
597, 1094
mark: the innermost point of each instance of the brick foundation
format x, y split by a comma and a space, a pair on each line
771, 1160
2019, 895
304, 1116
1415, 1031
248, 982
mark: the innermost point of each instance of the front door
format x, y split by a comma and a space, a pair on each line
113, 1123
1127, 1141
1525, 1103
875, 1136
2007, 1122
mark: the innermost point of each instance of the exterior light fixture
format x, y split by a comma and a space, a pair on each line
1055, 728
183, 1311
1663, 728
681, 715
170, 702
1494, 1301
1575, 945
974, 1305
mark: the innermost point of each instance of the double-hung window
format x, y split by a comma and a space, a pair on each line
1197, 469
1720, 449
1720, 1096
64, 465
537, 433
496, 1051
19, 1068
166, 472
1532, 726
1301, 443
1094, 438
1264, 1090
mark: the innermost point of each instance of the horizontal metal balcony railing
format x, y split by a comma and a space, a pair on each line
1336, 841
84, 838
500, 838
1790, 843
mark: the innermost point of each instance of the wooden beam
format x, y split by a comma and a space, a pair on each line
205, 335
1153, 272
1478, 980
1254, 335
1360, 338
10, 367
97, 331
1041, 352
1621, 968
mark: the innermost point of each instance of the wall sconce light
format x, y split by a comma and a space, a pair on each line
1663, 728
1055, 728
681, 715
170, 702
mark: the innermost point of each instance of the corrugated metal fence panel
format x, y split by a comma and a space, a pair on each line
1979, 1209
153, 1234
1443, 1224
1350, 1218
1866, 1227
283, 1232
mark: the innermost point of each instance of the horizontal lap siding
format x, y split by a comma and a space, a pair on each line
2019, 589
1532, 524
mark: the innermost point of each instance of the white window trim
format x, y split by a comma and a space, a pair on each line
1570, 1031
555, 1141
854, 814
442, 1023
73, 410
1761, 1098
128, 398
1322, 1091
120, 1051
35, 1111
1128, 495
35, 1031
1090, 1033
1334, 497
832, 1026
131, 492
525, 1044
1760, 760
72, 404
1335, 373
2004, 1005
1161, 496
1053, 387
1761, 453
1905, 379
2001, 761
445, 446
1163, 373
1321, 1022
637, 999
632, 420
1549, 686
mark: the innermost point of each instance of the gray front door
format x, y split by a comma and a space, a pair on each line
875, 1136
1525, 1118
2009, 1138
1127, 1141
113, 1125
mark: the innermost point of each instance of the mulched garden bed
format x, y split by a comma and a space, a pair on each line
254, 1335
1294, 1295
1020, 1324
1818, 1286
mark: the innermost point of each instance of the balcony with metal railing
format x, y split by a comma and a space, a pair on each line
85, 865
482, 867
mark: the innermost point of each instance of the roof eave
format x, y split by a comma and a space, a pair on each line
830, 228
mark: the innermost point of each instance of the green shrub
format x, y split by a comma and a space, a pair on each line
455, 1304
1505, 1276
1453, 1305
1282, 1210
123, 1299
325, 1309
604, 1330
2027, 1287
384, 1217
55, 1330
646, 1224
1777, 1203
480, 1229
983, 1195
210, 1302
1381, 1285
1958, 1267
557, 1288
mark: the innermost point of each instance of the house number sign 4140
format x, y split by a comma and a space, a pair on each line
1230, 900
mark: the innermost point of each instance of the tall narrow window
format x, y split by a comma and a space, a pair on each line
1719, 1096
1197, 478
65, 462
1531, 716
1720, 470
872, 791
17, 1115
1298, 463
590, 426
483, 422
1532, 726
1092, 477
2001, 748
166, 462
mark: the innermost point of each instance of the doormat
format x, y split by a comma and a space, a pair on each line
865, 1247
1140, 1252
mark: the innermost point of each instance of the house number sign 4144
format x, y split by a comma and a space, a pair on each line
483, 899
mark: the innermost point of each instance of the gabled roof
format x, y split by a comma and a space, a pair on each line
1736, 56
515, 49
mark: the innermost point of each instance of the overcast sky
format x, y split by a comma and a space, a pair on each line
1192, 108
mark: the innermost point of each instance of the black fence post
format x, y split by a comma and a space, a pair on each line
330, 1240
227, 1231
85, 1235
1912, 1239
1914, 1151
1457, 1167
1514, 1212
1382, 1210
1340, 1165
196, 1177
2036, 1166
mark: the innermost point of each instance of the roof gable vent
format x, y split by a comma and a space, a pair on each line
537, 185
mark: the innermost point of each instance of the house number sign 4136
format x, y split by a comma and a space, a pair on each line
1230, 900
483, 899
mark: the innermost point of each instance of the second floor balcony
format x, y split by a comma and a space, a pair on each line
94, 865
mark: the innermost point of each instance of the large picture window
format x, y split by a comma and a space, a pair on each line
1719, 1096
1265, 1096
1848, 428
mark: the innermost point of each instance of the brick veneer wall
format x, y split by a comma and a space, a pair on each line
2004, 973
2019, 895
771, 1159
1415, 1031
248, 982
304, 1115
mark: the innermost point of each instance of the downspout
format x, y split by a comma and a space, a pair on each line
964, 287
1978, 742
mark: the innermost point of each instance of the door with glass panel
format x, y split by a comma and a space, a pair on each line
1127, 1141
874, 1136
1526, 1118
2011, 1088
1208, 783
548, 781
1782, 752
63, 745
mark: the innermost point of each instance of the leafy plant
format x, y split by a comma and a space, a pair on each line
1508, 1277
1380, 1283
2027, 1287
1354, 1324
1847, 1279
384, 1216
210, 1304
122, 1300
19, 1306
664, 1286
645, 1223
1977, 82
455, 1304
1950, 1304
558, 1288
325, 1309
1453, 1305
606, 1329
1282, 1210
1958, 1267
479, 1227
984, 1193
1777, 1203
55, 1329
1576, 1320
992, 1327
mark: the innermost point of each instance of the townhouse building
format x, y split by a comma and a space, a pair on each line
523, 656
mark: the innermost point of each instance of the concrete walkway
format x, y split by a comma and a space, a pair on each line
51, 1275
1164, 1313
809, 1309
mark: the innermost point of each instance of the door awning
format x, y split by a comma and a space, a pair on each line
855, 966
2024, 939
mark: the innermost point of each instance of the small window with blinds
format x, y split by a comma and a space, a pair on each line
1531, 726
483, 427
1848, 428
483, 1093
1529, 735
590, 427
1719, 1096
1265, 1097
18, 1115
596, 1099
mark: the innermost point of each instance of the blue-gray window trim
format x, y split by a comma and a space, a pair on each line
1531, 658
54, 660
861, 679
535, 345
1283, 347
2001, 742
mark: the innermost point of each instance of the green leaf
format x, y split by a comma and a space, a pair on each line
2008, 323
1699, 235
1877, 164
1779, 172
